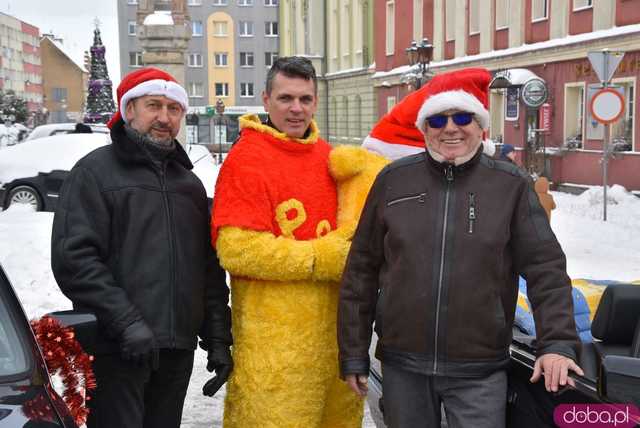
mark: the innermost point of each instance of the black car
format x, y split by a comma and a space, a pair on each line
611, 365
27, 398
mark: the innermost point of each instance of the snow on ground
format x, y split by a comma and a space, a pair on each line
595, 249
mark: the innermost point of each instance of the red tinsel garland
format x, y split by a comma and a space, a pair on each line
63, 352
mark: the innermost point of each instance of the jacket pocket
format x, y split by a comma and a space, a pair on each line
420, 198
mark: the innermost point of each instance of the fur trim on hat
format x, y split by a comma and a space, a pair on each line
390, 151
166, 88
449, 100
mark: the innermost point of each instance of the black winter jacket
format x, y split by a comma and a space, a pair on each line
435, 262
131, 240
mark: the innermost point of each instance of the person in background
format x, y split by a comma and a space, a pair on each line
508, 153
130, 244
435, 261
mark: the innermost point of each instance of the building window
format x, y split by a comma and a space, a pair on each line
391, 101
622, 130
246, 59
539, 10
502, 14
59, 95
450, 20
270, 2
574, 115
222, 89
196, 28
246, 29
135, 59
391, 15
270, 58
271, 29
582, 4
220, 28
194, 3
245, 2
195, 90
417, 19
132, 26
246, 90
132, 1
219, 2
474, 16
195, 60
220, 59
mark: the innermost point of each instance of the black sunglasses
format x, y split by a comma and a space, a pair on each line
440, 120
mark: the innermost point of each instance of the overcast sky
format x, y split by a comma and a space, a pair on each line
73, 21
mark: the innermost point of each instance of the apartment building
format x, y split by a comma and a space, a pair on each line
20, 62
528, 39
337, 35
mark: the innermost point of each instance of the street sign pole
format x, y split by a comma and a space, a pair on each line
605, 64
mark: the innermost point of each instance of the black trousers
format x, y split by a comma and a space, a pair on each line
134, 396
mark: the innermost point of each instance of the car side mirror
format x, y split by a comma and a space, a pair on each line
619, 379
84, 325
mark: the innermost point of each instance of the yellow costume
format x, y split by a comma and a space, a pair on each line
274, 227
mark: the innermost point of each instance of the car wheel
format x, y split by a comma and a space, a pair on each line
25, 195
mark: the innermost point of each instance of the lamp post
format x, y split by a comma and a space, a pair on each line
220, 111
420, 54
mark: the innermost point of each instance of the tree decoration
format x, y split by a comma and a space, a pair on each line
63, 354
99, 106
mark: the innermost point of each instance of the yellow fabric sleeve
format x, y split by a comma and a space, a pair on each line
262, 255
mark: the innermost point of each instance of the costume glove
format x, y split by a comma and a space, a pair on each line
330, 253
218, 360
138, 345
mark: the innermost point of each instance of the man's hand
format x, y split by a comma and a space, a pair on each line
358, 383
555, 369
138, 345
218, 360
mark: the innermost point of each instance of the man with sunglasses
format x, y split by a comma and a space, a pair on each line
435, 261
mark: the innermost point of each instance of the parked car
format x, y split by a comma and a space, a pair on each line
611, 367
62, 128
27, 398
33, 172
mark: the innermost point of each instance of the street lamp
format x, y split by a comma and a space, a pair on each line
220, 111
420, 54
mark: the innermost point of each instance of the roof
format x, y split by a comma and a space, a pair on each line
61, 48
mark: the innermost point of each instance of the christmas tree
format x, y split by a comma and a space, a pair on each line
99, 104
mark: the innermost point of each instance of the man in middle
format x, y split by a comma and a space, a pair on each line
274, 226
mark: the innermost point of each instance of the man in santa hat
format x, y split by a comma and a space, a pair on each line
435, 261
130, 244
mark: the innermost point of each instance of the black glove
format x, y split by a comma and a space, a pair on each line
218, 359
138, 345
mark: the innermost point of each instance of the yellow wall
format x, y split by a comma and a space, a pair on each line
221, 44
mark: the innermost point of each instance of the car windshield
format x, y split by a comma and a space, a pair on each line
13, 356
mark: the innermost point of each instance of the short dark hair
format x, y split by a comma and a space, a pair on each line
292, 66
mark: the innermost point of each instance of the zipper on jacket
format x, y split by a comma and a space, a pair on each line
420, 197
472, 211
448, 173
167, 207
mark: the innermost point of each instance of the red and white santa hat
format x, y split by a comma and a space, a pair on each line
147, 81
398, 133
465, 90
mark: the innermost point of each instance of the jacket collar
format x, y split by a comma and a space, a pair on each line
252, 121
442, 167
129, 151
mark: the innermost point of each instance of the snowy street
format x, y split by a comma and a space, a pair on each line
594, 249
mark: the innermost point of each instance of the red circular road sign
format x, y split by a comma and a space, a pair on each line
607, 105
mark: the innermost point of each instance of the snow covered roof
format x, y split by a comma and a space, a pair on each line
523, 49
159, 17
61, 48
